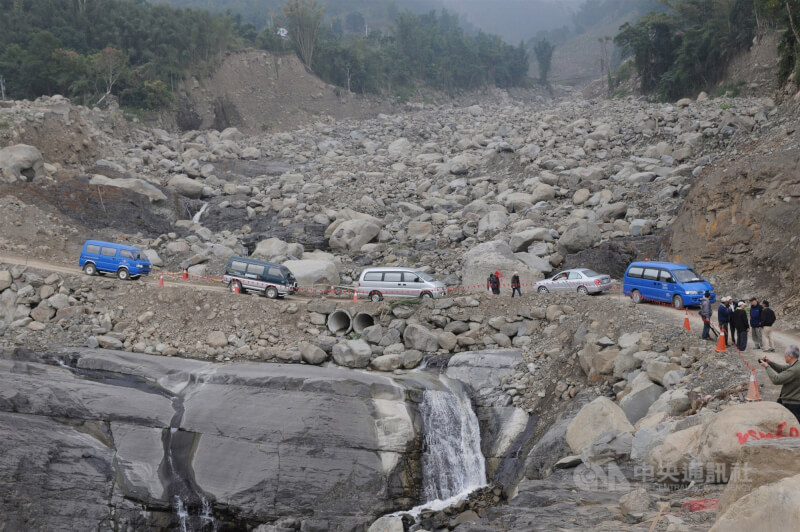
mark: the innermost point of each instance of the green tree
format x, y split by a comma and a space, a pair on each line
543, 50
304, 18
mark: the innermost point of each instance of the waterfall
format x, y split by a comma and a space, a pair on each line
198, 214
452, 462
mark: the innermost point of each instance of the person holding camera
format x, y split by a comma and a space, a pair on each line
788, 376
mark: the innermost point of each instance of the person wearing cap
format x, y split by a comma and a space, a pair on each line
724, 318
741, 324
705, 313
787, 376
515, 286
767, 321
494, 283
755, 321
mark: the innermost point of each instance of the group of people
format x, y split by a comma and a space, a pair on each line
737, 321
493, 283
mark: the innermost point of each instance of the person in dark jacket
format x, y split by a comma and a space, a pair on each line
494, 283
755, 322
788, 377
767, 321
741, 324
724, 318
515, 285
705, 313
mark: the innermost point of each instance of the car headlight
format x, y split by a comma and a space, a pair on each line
692, 292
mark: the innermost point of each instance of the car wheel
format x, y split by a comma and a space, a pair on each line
235, 287
583, 291
543, 290
425, 295
677, 302
123, 274
89, 269
636, 296
271, 292
375, 297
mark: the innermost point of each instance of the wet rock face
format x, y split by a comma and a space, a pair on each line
266, 441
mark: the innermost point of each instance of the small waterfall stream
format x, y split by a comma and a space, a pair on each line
198, 214
452, 462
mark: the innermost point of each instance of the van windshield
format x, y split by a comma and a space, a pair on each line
424, 276
287, 274
687, 276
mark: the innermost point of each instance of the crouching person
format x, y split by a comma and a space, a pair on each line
788, 376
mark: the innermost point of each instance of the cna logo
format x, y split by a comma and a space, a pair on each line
607, 477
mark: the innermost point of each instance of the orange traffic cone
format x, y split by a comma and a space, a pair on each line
236, 288
186, 275
752, 389
161, 280
721, 343
686, 322
355, 296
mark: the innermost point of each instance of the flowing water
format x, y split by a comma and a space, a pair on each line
452, 463
198, 214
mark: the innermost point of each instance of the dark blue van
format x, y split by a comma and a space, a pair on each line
665, 282
106, 257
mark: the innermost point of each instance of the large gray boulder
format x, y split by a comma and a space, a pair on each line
484, 369
419, 338
488, 257
583, 235
138, 186
643, 394
352, 354
250, 428
351, 235
186, 186
311, 272
20, 162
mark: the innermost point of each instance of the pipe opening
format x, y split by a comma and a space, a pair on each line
339, 322
362, 320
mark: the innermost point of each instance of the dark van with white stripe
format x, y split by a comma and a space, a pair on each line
272, 280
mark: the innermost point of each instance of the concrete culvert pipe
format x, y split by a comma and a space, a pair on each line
361, 321
339, 322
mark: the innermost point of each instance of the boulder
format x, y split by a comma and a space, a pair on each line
447, 340
600, 416
484, 369
185, 186
312, 354
644, 393
352, 354
352, 234
109, 342
310, 272
656, 369
597, 362
762, 462
5, 279
139, 186
635, 502
387, 523
772, 507
481, 260
271, 247
387, 362
582, 235
21, 162
399, 148
672, 403
418, 337
610, 446
521, 241
217, 339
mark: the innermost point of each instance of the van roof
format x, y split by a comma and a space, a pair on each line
251, 260
390, 269
111, 244
665, 265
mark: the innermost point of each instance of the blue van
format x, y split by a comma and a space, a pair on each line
665, 281
106, 257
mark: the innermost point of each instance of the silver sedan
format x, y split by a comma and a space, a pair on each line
580, 281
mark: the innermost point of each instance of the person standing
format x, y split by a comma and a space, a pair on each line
755, 321
494, 283
740, 323
705, 313
788, 377
767, 321
515, 286
724, 318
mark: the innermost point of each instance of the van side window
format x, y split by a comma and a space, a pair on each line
574, 275
108, 252
255, 269
93, 249
650, 274
373, 276
411, 278
126, 254
393, 277
238, 266
275, 272
636, 271
665, 277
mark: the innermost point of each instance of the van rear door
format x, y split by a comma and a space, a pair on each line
107, 261
413, 284
651, 286
254, 276
392, 284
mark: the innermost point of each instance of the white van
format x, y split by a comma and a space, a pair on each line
377, 283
